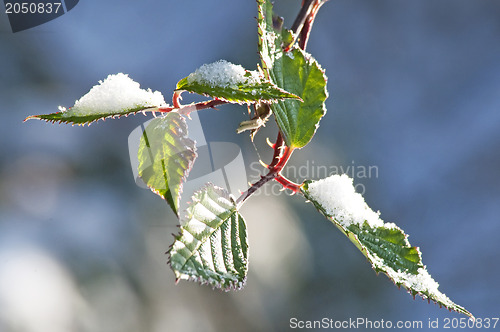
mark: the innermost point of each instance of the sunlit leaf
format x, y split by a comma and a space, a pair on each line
212, 245
166, 155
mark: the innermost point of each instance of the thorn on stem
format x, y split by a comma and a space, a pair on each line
264, 164
176, 98
272, 145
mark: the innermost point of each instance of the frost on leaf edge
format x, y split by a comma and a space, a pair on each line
57, 118
230, 284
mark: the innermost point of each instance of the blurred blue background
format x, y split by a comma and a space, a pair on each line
414, 91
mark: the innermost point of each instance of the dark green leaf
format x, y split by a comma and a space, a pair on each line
300, 74
385, 246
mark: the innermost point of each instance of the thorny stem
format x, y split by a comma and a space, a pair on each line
306, 29
254, 187
302, 26
287, 184
277, 150
301, 17
282, 154
176, 99
186, 109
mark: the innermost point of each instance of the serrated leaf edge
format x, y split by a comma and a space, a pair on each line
231, 284
245, 102
42, 117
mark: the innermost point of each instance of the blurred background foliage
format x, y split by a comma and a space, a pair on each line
414, 90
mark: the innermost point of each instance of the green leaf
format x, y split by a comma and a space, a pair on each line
71, 117
295, 71
166, 155
385, 245
269, 40
212, 245
232, 83
118, 95
300, 74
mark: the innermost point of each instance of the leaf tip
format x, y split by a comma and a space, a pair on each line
31, 117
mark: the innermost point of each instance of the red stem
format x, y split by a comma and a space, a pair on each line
282, 154
186, 109
302, 26
176, 97
287, 153
287, 184
277, 150
309, 21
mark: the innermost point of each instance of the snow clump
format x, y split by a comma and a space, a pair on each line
223, 74
117, 93
337, 195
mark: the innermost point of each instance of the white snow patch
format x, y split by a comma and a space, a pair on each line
421, 282
117, 93
337, 195
223, 74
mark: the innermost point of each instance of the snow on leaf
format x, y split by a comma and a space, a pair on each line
232, 83
116, 96
337, 196
385, 245
212, 245
223, 74
166, 156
